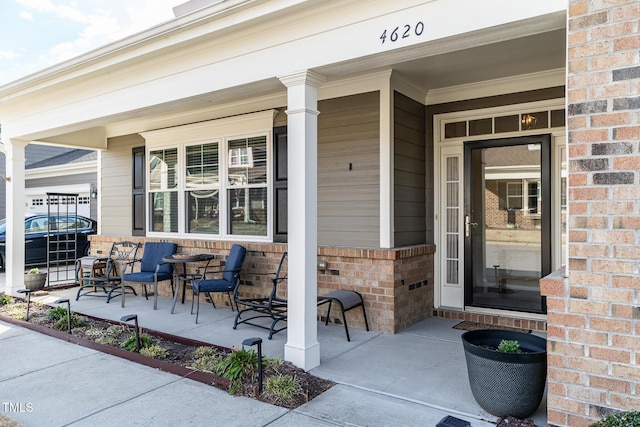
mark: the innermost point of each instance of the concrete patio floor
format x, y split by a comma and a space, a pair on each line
420, 371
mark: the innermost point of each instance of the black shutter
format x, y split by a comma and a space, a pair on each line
280, 184
502, 195
138, 192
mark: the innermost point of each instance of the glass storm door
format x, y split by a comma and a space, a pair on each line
507, 222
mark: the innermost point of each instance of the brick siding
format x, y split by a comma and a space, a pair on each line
593, 313
396, 284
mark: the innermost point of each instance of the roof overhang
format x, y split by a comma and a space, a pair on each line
221, 59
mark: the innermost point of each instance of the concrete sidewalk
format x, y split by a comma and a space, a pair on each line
416, 377
48, 382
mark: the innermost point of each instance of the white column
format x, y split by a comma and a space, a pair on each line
16, 209
387, 147
302, 347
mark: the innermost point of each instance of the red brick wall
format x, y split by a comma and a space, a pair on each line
593, 326
396, 284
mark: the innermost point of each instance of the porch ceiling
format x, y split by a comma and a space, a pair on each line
523, 47
524, 55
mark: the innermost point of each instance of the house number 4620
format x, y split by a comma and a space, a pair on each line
402, 32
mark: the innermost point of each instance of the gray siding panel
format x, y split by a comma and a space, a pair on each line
117, 169
410, 172
348, 198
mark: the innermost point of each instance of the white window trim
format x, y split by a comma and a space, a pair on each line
221, 131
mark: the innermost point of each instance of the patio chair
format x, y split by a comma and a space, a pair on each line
105, 272
227, 282
270, 307
152, 268
347, 300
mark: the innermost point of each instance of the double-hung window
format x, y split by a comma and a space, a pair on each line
211, 179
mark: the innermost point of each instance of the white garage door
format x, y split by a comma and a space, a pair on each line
37, 199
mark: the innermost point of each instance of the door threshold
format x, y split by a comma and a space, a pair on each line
533, 321
507, 313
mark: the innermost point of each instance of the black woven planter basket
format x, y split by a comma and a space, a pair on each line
506, 383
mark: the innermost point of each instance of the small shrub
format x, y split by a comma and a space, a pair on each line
102, 336
282, 388
620, 419
204, 350
272, 363
5, 299
154, 351
130, 344
76, 322
206, 363
116, 330
57, 313
206, 359
17, 310
509, 346
59, 316
239, 366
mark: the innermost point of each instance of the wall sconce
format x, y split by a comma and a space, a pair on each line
322, 265
6, 178
528, 121
94, 192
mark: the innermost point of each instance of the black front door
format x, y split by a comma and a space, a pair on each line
507, 222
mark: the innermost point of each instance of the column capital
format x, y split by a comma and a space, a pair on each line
306, 77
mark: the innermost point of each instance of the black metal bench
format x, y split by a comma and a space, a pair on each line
347, 300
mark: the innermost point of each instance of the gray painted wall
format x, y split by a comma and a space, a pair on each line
409, 172
349, 171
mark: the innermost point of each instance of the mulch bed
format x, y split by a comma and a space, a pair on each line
515, 422
180, 352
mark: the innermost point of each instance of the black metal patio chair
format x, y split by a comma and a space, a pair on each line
271, 307
105, 273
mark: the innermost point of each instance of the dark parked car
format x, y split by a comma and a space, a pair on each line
67, 238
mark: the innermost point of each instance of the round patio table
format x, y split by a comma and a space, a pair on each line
179, 262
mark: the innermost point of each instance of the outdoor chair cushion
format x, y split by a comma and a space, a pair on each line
146, 276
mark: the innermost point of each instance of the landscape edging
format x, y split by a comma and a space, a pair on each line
203, 377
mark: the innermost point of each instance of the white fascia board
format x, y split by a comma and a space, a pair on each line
171, 32
62, 170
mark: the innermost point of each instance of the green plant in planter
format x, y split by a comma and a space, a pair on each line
5, 299
34, 279
506, 383
509, 346
620, 419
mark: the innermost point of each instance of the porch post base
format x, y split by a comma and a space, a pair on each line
305, 358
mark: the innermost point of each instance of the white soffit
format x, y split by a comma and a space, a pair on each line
496, 87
